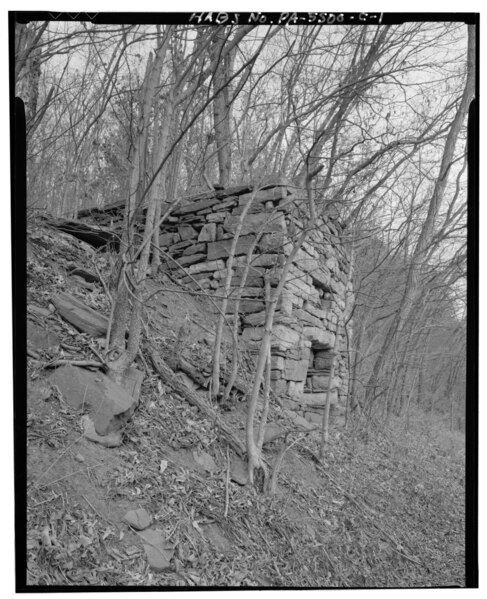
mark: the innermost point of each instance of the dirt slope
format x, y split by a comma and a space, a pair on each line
384, 509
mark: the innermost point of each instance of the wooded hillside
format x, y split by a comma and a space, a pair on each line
270, 224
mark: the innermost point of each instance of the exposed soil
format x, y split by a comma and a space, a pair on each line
385, 507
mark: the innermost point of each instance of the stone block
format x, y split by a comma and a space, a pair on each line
210, 266
226, 205
286, 302
319, 382
321, 278
323, 359
284, 337
314, 310
255, 319
322, 364
277, 362
221, 235
306, 317
276, 375
318, 399
221, 249
290, 404
216, 217
255, 208
317, 235
203, 284
295, 388
268, 260
195, 248
187, 260
279, 386
295, 370
310, 249
338, 288
302, 290
299, 421
246, 306
208, 232
254, 223
252, 280
196, 206
298, 353
332, 264
263, 195
253, 334
273, 242
166, 239
320, 337
312, 266
252, 292
187, 232
181, 245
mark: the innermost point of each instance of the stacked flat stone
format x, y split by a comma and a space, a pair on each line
198, 236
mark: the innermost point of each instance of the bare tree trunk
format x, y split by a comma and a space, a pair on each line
215, 380
222, 112
121, 310
253, 454
325, 424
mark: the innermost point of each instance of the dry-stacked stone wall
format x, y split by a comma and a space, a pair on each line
198, 236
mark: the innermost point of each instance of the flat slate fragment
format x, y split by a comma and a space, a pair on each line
272, 432
221, 249
109, 404
139, 519
205, 460
239, 471
82, 317
111, 440
195, 206
39, 338
159, 551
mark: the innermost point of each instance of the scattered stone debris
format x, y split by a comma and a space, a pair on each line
214, 535
39, 338
159, 551
109, 440
38, 391
38, 311
139, 519
131, 380
299, 421
204, 459
83, 273
82, 317
188, 381
272, 432
109, 404
238, 471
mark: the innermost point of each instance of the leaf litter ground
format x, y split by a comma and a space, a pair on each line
384, 509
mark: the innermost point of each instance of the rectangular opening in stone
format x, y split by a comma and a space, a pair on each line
320, 360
